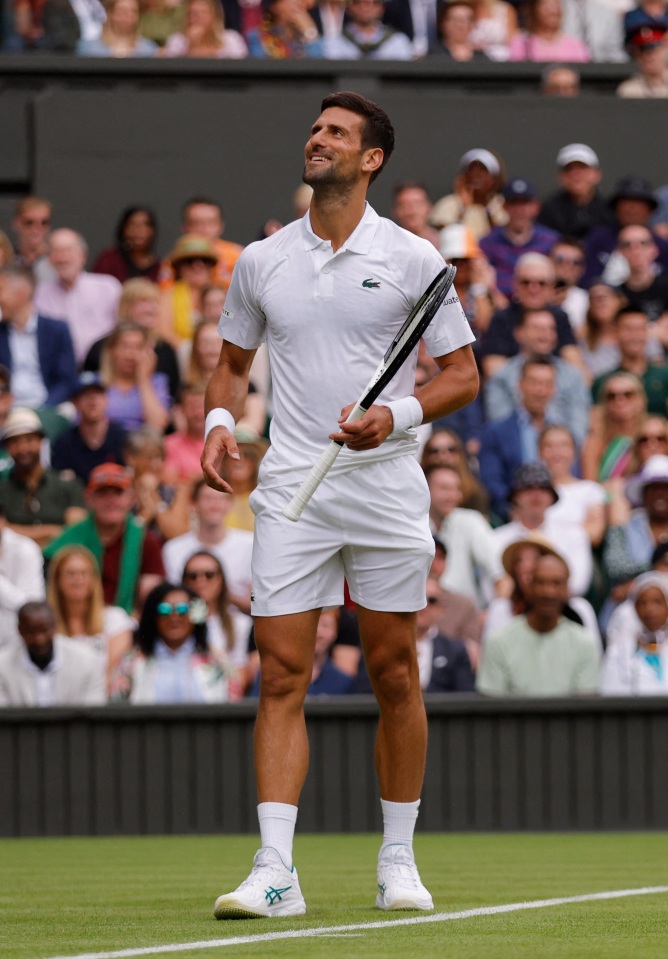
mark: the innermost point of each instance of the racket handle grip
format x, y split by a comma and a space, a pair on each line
320, 469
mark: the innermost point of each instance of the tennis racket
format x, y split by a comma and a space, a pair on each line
398, 352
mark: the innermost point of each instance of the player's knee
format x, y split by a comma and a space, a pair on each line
280, 679
392, 679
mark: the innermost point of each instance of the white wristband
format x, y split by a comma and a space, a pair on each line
406, 413
218, 417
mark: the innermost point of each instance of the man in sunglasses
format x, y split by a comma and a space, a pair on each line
644, 288
31, 225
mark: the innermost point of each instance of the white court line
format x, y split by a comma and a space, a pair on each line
363, 926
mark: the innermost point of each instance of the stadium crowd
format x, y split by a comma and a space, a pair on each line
125, 578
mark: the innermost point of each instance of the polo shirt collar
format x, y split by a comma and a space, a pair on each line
360, 239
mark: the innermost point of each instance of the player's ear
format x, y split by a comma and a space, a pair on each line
373, 160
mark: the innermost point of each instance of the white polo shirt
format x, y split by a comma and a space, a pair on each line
328, 318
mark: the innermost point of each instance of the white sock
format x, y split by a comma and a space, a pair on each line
399, 820
277, 827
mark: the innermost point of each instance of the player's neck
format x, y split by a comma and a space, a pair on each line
336, 217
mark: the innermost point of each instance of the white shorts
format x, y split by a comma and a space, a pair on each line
369, 525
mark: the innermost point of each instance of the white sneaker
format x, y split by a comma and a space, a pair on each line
270, 890
399, 883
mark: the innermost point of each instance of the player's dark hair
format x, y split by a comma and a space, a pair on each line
146, 633
377, 130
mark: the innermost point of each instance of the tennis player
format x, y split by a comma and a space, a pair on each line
329, 292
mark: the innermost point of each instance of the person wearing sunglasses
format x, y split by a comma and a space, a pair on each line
193, 260
31, 225
171, 661
615, 420
568, 258
644, 288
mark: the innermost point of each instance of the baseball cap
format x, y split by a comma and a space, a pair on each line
519, 189
88, 381
22, 421
533, 476
479, 155
108, 475
647, 36
577, 153
655, 470
457, 242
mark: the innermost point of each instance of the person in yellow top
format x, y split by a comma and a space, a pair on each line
193, 261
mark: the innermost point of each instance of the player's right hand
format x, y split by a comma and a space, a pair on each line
220, 442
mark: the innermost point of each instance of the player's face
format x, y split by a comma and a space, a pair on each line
333, 154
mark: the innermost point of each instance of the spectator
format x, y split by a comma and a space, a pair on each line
647, 12
6, 249
120, 36
21, 578
598, 24
411, 209
160, 19
161, 507
495, 24
203, 217
242, 475
137, 394
127, 554
639, 666
6, 403
134, 253
581, 502
577, 207
459, 617
213, 301
615, 420
560, 81
475, 282
598, 338
37, 501
569, 405
633, 334
87, 302
365, 37
543, 40
36, 350
184, 447
75, 595
193, 261
474, 566
228, 629
644, 289
521, 234
231, 546
199, 357
531, 495
94, 439
476, 200
31, 225
454, 28
651, 439
623, 623
445, 448
568, 259
647, 46
287, 32
541, 653
171, 662
48, 670
204, 34
443, 662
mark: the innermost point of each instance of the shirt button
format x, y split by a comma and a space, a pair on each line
326, 270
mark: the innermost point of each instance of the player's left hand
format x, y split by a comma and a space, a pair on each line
367, 433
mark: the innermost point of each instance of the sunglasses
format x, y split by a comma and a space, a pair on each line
166, 609
659, 437
194, 260
525, 281
627, 394
192, 574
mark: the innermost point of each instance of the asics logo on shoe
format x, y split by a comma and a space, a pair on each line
382, 887
275, 895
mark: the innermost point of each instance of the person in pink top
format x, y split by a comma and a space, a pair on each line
184, 447
543, 41
87, 302
204, 34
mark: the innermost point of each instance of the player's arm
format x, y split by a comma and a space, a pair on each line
225, 399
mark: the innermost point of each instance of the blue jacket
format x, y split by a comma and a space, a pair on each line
450, 667
56, 357
499, 457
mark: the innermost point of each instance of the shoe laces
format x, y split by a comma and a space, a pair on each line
398, 864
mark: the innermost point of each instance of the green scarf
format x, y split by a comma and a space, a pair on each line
85, 534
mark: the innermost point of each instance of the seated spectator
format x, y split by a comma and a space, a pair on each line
623, 622
647, 46
541, 652
21, 578
513, 441
120, 36
364, 35
137, 395
494, 26
231, 546
87, 302
443, 662
639, 666
454, 29
474, 566
95, 439
445, 448
31, 225
6, 249
570, 401
287, 32
48, 670
607, 453
127, 554
577, 207
558, 80
37, 501
643, 288
476, 200
203, 217
651, 440
533, 289
543, 40
581, 502
242, 475
193, 261
133, 254
171, 662
598, 337
204, 34
531, 495
140, 303
568, 259
644, 13
459, 616
598, 24
162, 506
228, 629
213, 301
183, 447
159, 19
74, 593
36, 350
199, 357
475, 282
6, 403
504, 245
411, 209
633, 337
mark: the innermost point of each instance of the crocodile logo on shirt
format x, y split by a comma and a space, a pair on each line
371, 284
